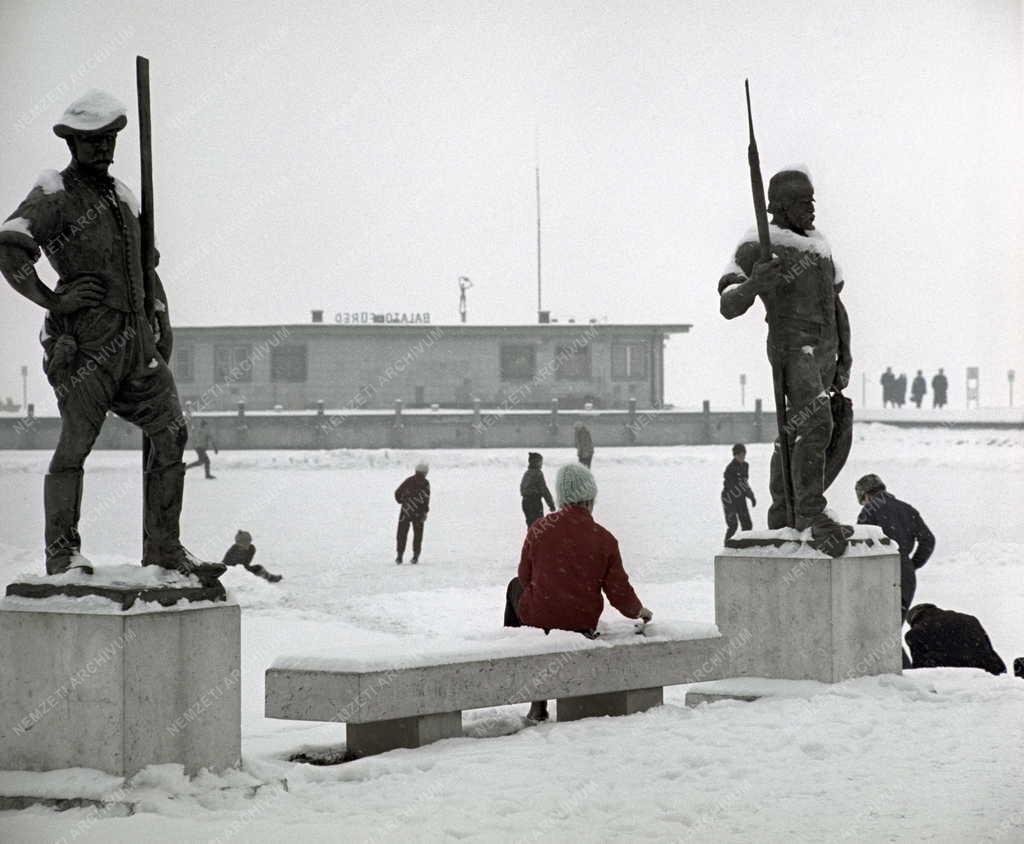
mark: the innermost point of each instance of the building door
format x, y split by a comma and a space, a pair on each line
421, 399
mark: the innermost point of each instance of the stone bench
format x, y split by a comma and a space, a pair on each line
387, 704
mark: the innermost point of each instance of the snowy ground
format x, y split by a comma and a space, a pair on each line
934, 755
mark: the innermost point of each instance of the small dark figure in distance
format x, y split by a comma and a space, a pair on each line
902, 524
900, 390
241, 554
940, 384
414, 496
735, 492
534, 489
584, 443
202, 442
940, 638
567, 561
888, 387
918, 389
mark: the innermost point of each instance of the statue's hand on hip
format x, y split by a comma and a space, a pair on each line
85, 292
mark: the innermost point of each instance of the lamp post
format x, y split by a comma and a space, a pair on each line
743, 389
24, 389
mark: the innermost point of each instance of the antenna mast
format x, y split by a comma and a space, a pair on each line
536, 172
464, 285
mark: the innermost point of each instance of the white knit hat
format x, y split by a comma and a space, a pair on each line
575, 484
423, 467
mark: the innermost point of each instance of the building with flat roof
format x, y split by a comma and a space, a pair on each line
372, 365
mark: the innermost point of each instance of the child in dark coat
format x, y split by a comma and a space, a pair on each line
241, 554
735, 492
534, 489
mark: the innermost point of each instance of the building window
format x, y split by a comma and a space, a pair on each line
518, 363
183, 364
232, 363
629, 360
573, 363
288, 363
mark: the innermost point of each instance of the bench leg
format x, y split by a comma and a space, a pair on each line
381, 736
613, 703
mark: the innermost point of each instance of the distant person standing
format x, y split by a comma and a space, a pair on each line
940, 385
940, 638
918, 389
534, 489
735, 492
900, 390
902, 524
584, 443
414, 496
888, 388
202, 442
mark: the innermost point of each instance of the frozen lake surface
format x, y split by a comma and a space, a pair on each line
934, 755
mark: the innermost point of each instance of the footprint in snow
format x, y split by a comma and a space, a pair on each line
814, 749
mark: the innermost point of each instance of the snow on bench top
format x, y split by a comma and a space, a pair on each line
503, 642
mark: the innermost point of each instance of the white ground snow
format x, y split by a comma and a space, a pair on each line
933, 755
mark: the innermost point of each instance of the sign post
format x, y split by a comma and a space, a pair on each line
973, 386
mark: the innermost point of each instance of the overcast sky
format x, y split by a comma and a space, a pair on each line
362, 156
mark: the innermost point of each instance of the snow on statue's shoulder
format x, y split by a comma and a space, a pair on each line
125, 194
814, 241
490, 644
50, 181
17, 224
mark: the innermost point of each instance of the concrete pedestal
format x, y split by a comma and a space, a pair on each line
611, 703
381, 736
805, 616
117, 691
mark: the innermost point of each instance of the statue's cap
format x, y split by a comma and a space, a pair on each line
94, 113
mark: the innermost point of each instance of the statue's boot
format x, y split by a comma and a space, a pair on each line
62, 501
162, 513
827, 535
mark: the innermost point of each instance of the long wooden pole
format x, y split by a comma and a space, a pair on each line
148, 239
778, 375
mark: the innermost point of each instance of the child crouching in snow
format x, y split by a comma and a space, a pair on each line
241, 554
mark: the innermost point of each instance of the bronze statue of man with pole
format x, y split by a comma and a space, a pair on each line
788, 265
106, 335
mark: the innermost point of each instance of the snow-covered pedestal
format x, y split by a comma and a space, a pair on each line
806, 616
85, 684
